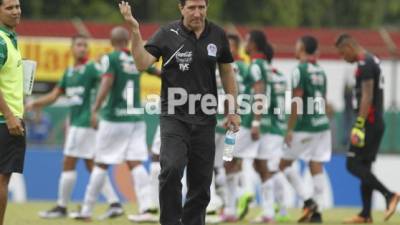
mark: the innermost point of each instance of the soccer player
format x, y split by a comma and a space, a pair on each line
233, 168
12, 131
78, 84
308, 134
121, 135
368, 129
191, 49
219, 186
269, 125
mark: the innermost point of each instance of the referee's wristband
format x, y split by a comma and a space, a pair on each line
255, 123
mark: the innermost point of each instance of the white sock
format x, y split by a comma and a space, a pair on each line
17, 187
296, 181
232, 183
154, 173
108, 191
279, 189
65, 185
318, 181
143, 190
267, 190
96, 182
215, 200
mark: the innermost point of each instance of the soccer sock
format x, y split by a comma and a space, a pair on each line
18, 188
108, 191
296, 181
267, 190
319, 186
143, 190
96, 182
232, 182
154, 173
279, 190
65, 185
215, 200
366, 197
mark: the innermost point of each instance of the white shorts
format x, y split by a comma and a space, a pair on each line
219, 150
155, 148
79, 142
245, 146
271, 149
310, 147
121, 141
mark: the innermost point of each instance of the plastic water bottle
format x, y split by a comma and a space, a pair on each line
228, 145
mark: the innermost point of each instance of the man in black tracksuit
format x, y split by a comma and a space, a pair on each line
190, 49
368, 129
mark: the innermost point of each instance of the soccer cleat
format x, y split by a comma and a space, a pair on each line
316, 217
392, 206
80, 217
115, 210
54, 213
145, 217
310, 207
229, 218
358, 220
282, 218
243, 205
263, 220
213, 219
281, 214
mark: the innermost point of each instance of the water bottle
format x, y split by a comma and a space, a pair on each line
229, 143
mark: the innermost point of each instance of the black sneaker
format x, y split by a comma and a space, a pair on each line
316, 218
310, 208
54, 213
115, 210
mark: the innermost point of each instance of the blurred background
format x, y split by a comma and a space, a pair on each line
47, 26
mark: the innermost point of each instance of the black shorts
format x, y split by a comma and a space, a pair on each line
12, 151
373, 138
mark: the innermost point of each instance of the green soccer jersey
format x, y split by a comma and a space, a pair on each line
311, 78
79, 84
258, 71
274, 122
124, 97
240, 69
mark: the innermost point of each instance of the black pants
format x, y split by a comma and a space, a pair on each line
191, 146
12, 151
359, 163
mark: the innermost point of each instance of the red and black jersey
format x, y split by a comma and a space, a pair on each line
368, 67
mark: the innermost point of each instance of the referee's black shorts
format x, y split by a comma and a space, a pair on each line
373, 137
12, 151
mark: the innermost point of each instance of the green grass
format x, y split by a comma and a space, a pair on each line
26, 214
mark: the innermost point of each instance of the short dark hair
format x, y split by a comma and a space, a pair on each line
235, 38
183, 2
343, 38
76, 36
310, 44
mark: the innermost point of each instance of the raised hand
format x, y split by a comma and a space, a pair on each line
126, 12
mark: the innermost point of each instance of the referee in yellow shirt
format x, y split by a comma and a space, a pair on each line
12, 132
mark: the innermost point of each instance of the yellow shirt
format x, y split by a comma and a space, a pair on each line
11, 78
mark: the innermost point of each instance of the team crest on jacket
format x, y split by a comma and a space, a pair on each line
212, 50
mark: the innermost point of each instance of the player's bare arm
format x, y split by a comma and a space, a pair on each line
143, 59
45, 100
259, 88
367, 90
297, 92
230, 88
104, 89
14, 124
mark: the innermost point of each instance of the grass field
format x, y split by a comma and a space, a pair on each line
26, 214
